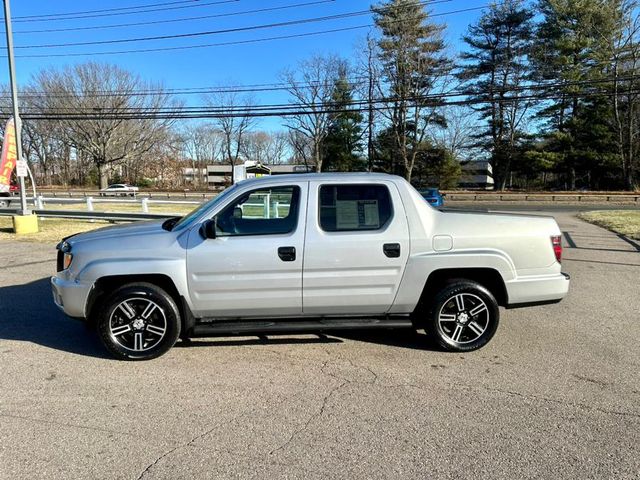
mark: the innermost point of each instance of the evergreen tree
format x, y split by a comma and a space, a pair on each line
495, 70
342, 145
571, 53
413, 64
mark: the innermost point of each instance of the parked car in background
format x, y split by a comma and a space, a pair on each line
5, 197
433, 196
119, 190
308, 253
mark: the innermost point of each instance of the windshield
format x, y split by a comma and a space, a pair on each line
191, 216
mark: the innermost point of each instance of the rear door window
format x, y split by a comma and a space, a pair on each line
355, 207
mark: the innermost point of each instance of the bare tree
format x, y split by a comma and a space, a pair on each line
265, 147
457, 136
119, 108
233, 126
202, 145
301, 148
311, 86
368, 86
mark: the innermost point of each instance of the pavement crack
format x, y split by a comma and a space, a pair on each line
560, 402
63, 424
311, 418
186, 444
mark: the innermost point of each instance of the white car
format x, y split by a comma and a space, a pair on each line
119, 190
308, 253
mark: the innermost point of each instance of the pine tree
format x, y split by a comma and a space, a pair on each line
414, 64
570, 55
495, 70
342, 145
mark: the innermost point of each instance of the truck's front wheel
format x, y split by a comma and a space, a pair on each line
463, 316
138, 322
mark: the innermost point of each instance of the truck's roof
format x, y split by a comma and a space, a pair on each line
304, 177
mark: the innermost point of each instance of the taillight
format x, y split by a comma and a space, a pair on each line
556, 243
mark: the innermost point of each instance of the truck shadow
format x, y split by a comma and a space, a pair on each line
28, 314
401, 338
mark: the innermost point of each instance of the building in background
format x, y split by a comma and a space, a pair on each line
194, 176
219, 176
476, 174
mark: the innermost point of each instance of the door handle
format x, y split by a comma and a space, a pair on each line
391, 250
287, 254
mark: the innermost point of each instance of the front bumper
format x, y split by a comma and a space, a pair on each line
70, 296
537, 289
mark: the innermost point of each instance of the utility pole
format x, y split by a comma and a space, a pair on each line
14, 100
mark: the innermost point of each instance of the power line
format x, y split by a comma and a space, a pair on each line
286, 86
174, 20
281, 113
221, 44
293, 109
61, 14
115, 12
287, 23
188, 47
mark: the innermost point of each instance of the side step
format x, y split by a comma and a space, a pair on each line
244, 327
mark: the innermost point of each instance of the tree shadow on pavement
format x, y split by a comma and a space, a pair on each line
28, 314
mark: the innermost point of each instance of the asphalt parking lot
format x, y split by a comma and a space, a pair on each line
556, 394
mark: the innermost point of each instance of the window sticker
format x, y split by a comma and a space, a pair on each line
369, 213
356, 214
346, 214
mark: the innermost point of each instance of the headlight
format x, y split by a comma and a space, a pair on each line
64, 246
66, 260
64, 255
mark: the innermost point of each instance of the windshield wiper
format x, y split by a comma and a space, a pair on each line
169, 223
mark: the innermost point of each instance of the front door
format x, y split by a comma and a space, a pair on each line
356, 248
253, 268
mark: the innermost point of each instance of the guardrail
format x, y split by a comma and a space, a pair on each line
80, 215
149, 194
542, 197
39, 202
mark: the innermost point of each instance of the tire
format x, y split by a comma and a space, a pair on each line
138, 322
463, 316
4, 203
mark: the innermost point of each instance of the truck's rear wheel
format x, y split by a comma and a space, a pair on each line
463, 316
138, 322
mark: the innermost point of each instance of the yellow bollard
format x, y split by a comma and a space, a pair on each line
25, 224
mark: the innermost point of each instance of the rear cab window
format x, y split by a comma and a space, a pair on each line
354, 207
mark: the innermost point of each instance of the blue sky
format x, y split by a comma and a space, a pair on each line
251, 63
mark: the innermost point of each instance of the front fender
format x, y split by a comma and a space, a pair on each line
174, 268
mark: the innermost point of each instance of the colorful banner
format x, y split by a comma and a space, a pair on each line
9, 156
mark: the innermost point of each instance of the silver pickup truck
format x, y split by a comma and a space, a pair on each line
308, 253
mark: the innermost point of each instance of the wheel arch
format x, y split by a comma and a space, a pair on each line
489, 278
107, 284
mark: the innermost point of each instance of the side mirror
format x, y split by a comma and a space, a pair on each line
208, 228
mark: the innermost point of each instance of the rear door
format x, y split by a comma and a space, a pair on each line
356, 248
